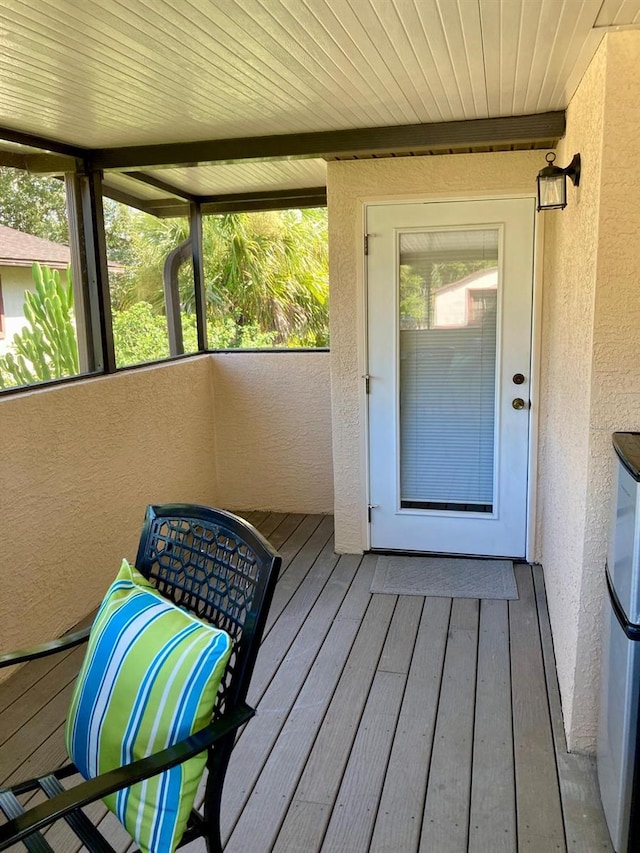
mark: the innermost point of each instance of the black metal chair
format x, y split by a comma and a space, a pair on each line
219, 567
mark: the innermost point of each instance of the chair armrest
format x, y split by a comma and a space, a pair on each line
44, 649
122, 777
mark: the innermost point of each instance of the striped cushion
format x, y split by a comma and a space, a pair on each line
149, 679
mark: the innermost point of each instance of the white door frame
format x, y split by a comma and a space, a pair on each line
536, 340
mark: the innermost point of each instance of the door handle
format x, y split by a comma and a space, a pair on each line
518, 403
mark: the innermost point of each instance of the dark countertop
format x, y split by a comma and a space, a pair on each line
627, 446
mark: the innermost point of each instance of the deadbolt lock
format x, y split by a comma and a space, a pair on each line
518, 378
518, 403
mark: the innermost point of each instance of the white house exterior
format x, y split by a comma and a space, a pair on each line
454, 303
18, 252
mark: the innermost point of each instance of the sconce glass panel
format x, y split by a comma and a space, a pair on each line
552, 192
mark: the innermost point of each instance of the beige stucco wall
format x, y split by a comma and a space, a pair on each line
350, 185
80, 463
591, 351
273, 431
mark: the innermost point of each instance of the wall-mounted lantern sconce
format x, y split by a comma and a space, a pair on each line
552, 182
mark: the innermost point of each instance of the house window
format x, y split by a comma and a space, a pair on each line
481, 303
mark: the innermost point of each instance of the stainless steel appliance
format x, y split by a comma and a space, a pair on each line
618, 729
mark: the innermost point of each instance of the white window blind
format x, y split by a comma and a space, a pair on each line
448, 301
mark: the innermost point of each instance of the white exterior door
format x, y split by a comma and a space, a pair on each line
449, 296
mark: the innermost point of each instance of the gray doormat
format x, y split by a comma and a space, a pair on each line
448, 577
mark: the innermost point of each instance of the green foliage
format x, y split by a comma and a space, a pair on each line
38, 206
33, 204
264, 270
140, 334
150, 241
119, 220
271, 270
47, 348
226, 334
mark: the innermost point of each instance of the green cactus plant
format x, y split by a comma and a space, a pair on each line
47, 348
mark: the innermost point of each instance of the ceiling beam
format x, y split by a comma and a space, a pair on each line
240, 202
292, 196
159, 184
13, 159
38, 164
52, 164
168, 211
268, 201
329, 144
130, 200
42, 142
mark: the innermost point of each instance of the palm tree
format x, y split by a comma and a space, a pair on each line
270, 270
266, 270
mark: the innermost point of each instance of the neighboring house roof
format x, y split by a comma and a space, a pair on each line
18, 249
487, 279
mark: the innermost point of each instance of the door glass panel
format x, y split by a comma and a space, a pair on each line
448, 301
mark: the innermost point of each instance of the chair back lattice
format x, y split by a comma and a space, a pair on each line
219, 567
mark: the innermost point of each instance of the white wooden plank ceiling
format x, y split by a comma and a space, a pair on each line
140, 72
249, 177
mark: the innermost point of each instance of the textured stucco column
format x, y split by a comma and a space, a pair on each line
591, 353
350, 185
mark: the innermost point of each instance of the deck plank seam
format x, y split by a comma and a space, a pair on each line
281, 532
474, 723
533, 737
397, 718
285, 650
54, 660
513, 739
294, 793
313, 522
320, 722
295, 541
282, 596
433, 732
332, 807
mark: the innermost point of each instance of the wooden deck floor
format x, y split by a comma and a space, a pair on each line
385, 723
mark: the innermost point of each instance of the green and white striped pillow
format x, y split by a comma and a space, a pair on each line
149, 679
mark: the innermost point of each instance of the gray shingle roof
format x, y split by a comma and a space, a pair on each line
18, 249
